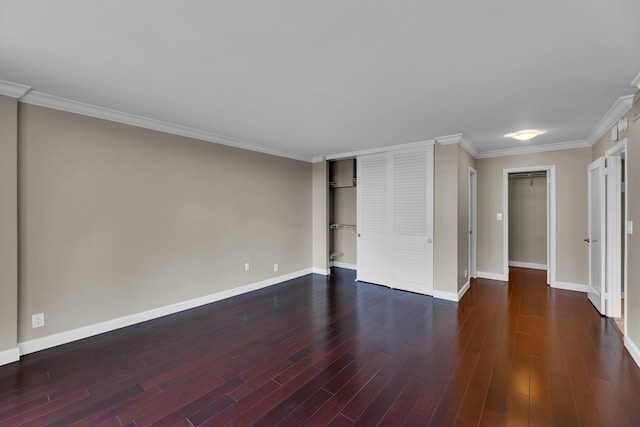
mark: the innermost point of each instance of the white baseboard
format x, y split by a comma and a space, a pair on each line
452, 296
449, 296
527, 265
569, 286
322, 271
110, 325
632, 348
9, 356
343, 265
464, 289
492, 276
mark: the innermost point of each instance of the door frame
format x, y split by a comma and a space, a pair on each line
614, 229
473, 224
551, 219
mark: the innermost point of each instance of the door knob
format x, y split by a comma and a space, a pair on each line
587, 240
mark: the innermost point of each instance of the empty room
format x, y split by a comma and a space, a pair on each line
330, 214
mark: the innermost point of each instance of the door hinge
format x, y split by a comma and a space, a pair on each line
605, 171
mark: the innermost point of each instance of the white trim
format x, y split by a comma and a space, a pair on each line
321, 271
615, 113
9, 356
632, 348
533, 149
449, 296
527, 265
567, 286
343, 265
493, 276
317, 159
636, 81
113, 324
452, 296
353, 154
13, 90
57, 103
551, 218
462, 140
464, 289
472, 252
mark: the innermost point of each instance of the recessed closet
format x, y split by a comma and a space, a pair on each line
528, 219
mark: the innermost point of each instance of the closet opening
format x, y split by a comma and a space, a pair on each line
342, 214
529, 229
528, 220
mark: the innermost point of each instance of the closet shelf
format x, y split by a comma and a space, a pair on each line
344, 226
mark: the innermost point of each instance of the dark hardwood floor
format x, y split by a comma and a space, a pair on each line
318, 351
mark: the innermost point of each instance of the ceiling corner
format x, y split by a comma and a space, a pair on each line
14, 90
615, 113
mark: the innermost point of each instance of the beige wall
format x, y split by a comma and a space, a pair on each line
116, 220
465, 161
320, 192
8, 224
528, 220
571, 210
445, 237
632, 162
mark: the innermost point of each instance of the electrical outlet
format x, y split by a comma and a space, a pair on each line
37, 320
275, 267
246, 266
465, 274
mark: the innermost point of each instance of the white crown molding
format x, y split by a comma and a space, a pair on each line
636, 81
14, 90
462, 140
352, 154
57, 103
449, 139
534, 149
615, 113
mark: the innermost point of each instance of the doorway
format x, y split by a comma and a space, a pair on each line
473, 222
549, 245
616, 238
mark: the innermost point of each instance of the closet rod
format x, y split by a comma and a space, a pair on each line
518, 175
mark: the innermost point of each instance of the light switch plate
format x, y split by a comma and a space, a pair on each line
629, 227
499, 216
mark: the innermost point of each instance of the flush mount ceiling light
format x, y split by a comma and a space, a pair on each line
525, 135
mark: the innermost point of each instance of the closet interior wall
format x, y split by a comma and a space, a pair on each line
342, 213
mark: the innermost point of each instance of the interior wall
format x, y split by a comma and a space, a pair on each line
632, 199
571, 210
465, 161
320, 190
8, 224
116, 219
445, 236
528, 220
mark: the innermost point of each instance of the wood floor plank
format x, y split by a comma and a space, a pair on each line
324, 351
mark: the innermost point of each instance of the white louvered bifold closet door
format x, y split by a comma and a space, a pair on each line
395, 219
373, 212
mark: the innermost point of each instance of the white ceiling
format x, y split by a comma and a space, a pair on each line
316, 78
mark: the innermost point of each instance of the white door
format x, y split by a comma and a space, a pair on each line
395, 219
373, 212
412, 232
597, 232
